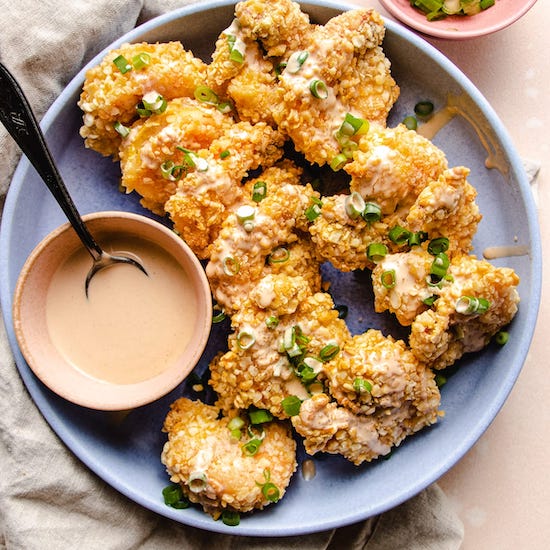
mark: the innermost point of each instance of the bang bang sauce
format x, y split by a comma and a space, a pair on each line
132, 326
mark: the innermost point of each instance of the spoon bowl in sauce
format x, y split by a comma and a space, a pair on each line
135, 337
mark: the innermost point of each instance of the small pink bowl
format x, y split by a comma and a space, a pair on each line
502, 14
51, 366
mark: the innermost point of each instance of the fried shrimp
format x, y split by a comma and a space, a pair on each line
330, 428
154, 156
205, 458
113, 89
480, 301
254, 233
393, 165
273, 356
206, 196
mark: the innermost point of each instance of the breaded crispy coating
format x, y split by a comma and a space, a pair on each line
206, 196
446, 207
374, 373
442, 335
161, 139
110, 95
393, 165
239, 254
264, 373
329, 428
280, 26
209, 463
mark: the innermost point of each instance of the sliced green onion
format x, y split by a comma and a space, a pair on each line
231, 518
271, 492
225, 153
245, 340
236, 49
372, 212
224, 107
174, 497
259, 191
469, 305
291, 405
360, 385
329, 352
204, 94
236, 423
502, 337
436, 246
197, 482
141, 60
354, 205
353, 126
399, 235
260, 416
410, 122
430, 300
121, 129
417, 238
171, 171
440, 265
218, 314
122, 64
278, 255
250, 448
272, 322
314, 211
154, 102
388, 278
246, 214
484, 4
306, 373
376, 252
440, 380
318, 89
231, 266
338, 162
296, 60
424, 108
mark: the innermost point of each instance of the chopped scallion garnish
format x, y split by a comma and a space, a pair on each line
250, 448
279, 255
360, 385
388, 278
338, 161
296, 60
502, 337
245, 339
424, 108
259, 416
376, 252
399, 235
470, 305
372, 212
291, 405
272, 321
141, 60
329, 352
122, 64
204, 94
121, 129
318, 89
354, 205
197, 482
259, 191
438, 245
231, 266
231, 518
410, 122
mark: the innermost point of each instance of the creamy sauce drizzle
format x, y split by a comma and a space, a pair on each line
494, 252
458, 105
131, 327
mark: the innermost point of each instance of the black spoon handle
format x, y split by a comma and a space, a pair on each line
17, 116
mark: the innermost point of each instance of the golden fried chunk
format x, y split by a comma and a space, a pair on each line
446, 207
245, 241
212, 468
374, 373
268, 370
315, 96
155, 142
330, 428
280, 26
343, 239
249, 83
400, 284
393, 165
206, 196
110, 95
440, 336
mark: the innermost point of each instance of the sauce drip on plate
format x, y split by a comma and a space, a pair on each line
131, 327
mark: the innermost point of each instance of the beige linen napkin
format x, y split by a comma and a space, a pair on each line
48, 498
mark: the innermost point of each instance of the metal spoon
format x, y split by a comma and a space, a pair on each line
17, 117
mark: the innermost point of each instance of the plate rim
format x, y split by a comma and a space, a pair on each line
75, 445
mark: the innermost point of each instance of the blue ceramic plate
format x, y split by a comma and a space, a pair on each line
340, 493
